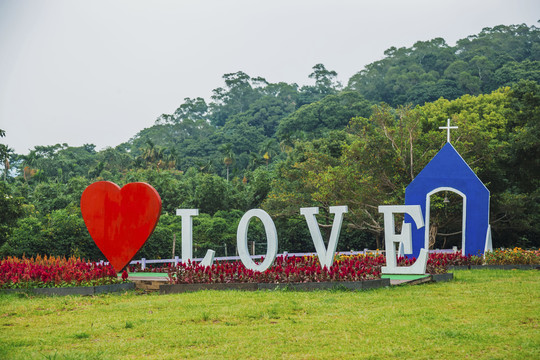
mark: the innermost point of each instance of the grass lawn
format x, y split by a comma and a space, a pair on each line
482, 314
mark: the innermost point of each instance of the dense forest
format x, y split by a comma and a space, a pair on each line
279, 147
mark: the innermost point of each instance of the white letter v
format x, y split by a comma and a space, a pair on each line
326, 256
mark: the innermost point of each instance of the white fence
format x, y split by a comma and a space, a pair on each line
177, 259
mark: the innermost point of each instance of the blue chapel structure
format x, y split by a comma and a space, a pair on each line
447, 171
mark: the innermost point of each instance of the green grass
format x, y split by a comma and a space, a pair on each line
482, 314
146, 274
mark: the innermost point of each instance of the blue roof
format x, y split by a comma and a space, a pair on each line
447, 165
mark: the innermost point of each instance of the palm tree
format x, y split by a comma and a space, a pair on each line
268, 149
152, 154
5, 152
31, 165
171, 158
287, 144
205, 166
228, 158
149, 152
254, 161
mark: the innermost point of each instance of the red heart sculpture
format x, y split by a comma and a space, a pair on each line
120, 220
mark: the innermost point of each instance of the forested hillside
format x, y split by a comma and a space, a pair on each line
279, 147
478, 64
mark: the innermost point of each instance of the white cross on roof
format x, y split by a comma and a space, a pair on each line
448, 127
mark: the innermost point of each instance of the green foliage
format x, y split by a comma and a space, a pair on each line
27, 238
65, 233
331, 113
258, 186
59, 233
6, 154
325, 84
216, 232
241, 90
59, 162
10, 211
522, 159
159, 245
209, 193
498, 56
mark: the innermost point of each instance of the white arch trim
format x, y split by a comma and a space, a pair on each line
463, 221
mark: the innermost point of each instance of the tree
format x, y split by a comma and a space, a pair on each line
519, 204
158, 245
27, 238
115, 160
228, 157
10, 210
296, 180
4, 155
265, 114
209, 193
325, 84
235, 98
268, 149
331, 113
325, 80
59, 162
512, 72
373, 169
475, 65
194, 110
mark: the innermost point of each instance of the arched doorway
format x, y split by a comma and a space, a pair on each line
451, 196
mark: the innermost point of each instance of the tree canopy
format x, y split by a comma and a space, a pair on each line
428, 70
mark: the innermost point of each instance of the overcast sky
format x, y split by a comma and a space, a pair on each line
98, 71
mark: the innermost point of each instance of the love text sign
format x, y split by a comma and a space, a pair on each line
120, 220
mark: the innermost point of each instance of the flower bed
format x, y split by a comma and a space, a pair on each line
303, 269
438, 263
284, 270
48, 272
345, 268
515, 256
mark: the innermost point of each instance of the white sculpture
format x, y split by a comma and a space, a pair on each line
326, 256
405, 238
187, 237
271, 238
